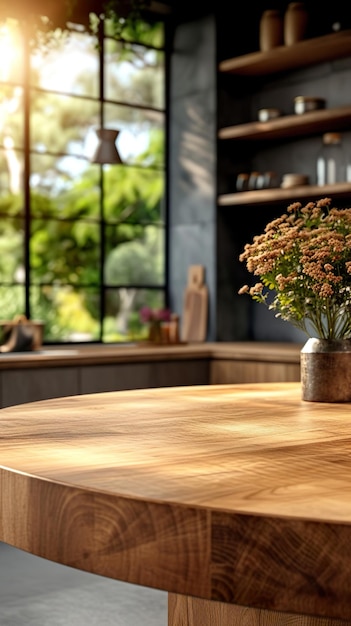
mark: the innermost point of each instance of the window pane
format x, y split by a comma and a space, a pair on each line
148, 33
12, 301
141, 137
11, 251
60, 124
122, 320
70, 314
133, 195
11, 117
11, 181
65, 252
63, 188
139, 261
134, 74
11, 48
70, 66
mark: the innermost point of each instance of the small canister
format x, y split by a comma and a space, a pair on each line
242, 182
264, 115
303, 104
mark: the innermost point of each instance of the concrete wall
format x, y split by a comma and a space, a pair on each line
192, 167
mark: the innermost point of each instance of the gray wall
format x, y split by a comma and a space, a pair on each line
192, 167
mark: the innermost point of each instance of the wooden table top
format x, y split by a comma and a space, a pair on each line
237, 493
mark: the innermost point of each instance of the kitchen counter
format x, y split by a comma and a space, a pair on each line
58, 371
59, 356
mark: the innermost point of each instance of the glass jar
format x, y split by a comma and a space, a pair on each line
330, 160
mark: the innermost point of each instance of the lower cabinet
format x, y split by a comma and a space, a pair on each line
226, 371
30, 383
18, 386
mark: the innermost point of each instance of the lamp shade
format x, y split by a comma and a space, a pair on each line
106, 151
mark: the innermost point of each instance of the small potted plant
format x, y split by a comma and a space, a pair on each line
155, 318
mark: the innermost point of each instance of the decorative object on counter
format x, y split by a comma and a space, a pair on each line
294, 180
173, 329
21, 334
331, 166
295, 23
304, 104
155, 319
195, 306
271, 30
264, 115
303, 260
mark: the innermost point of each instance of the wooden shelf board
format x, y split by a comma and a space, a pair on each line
313, 122
276, 196
302, 54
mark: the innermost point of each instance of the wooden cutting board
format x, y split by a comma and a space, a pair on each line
195, 306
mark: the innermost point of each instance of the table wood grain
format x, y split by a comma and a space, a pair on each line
234, 494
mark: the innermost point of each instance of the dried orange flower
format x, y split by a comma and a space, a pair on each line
303, 260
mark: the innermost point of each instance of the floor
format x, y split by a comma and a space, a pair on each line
36, 592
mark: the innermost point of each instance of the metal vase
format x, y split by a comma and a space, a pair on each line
326, 370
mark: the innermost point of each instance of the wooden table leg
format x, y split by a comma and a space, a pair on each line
188, 611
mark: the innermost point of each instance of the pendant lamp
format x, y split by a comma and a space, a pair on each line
106, 151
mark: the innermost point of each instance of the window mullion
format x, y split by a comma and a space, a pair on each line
102, 193
26, 165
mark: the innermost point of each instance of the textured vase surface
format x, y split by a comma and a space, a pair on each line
326, 370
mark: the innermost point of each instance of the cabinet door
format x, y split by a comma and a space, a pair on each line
29, 385
227, 372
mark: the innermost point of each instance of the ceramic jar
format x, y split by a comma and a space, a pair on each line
326, 370
295, 23
271, 30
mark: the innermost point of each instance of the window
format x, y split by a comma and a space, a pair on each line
82, 245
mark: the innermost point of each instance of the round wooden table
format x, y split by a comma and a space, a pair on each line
236, 499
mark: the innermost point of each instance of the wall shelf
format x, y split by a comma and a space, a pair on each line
282, 58
313, 122
277, 196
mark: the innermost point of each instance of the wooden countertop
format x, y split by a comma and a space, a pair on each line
61, 356
234, 493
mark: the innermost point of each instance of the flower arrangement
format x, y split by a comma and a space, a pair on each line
148, 315
303, 259
155, 317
